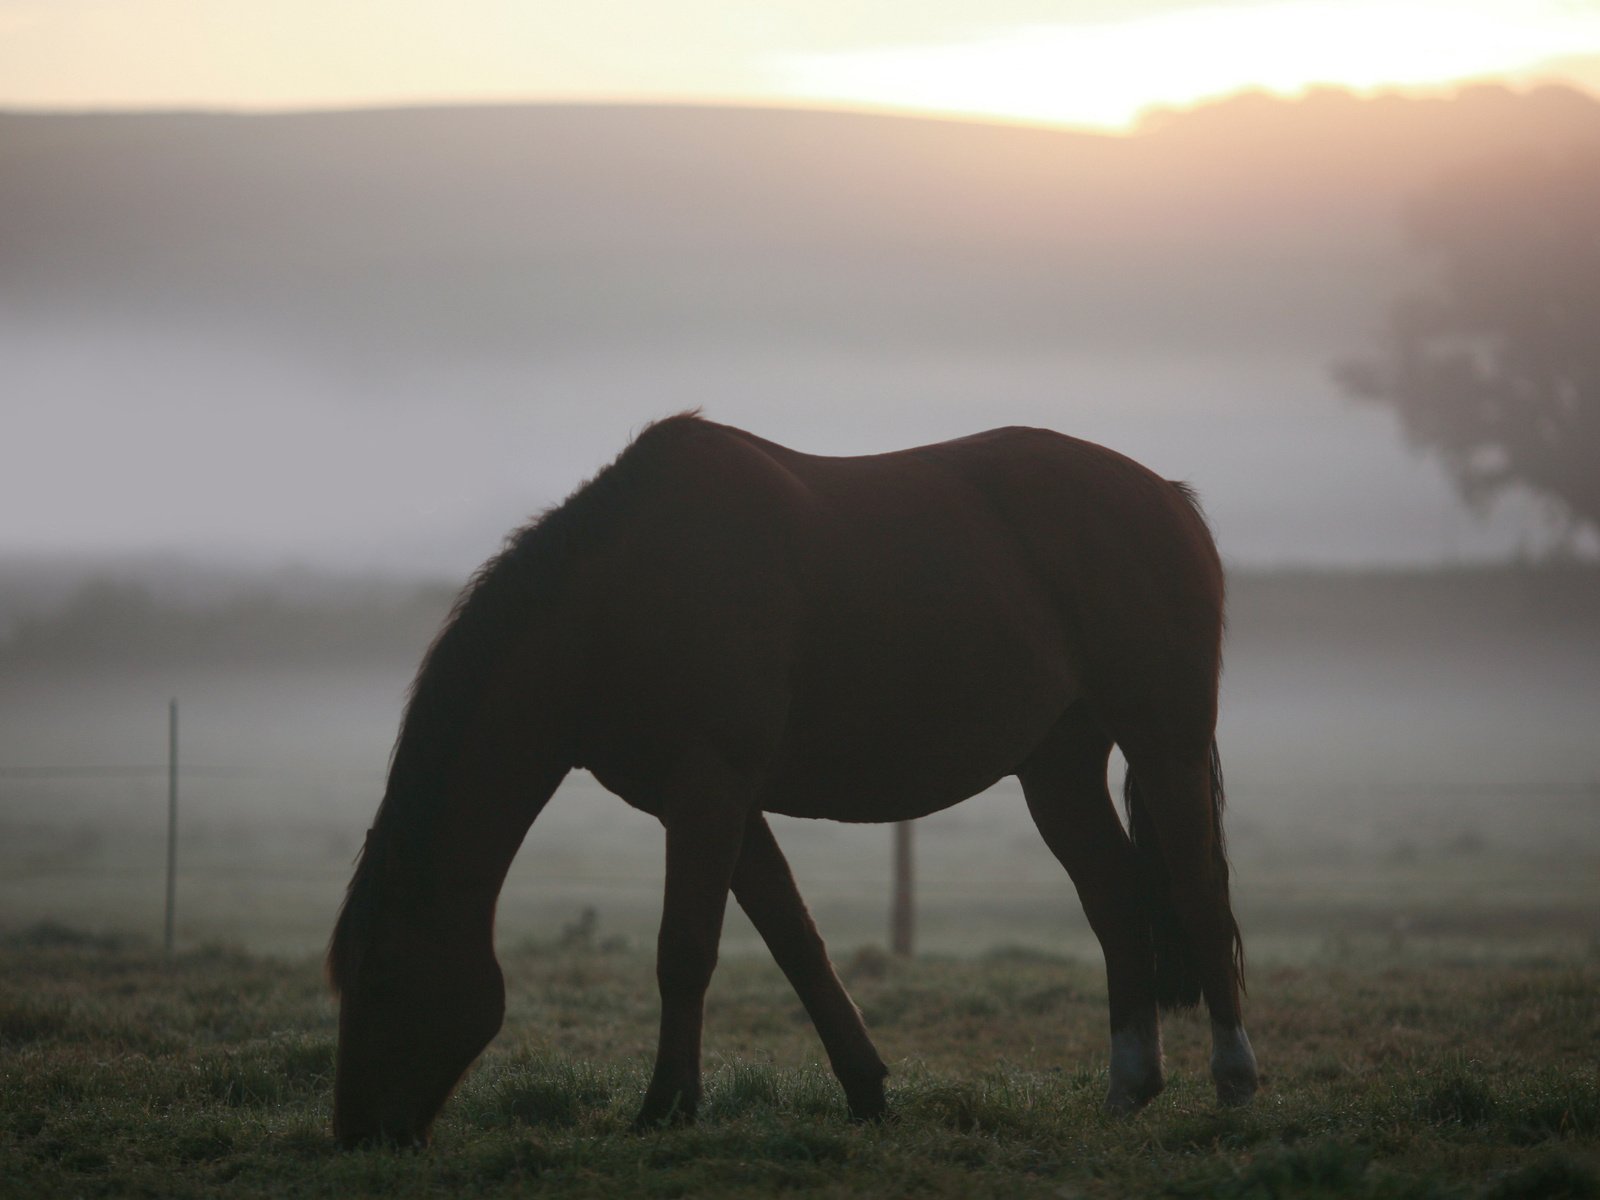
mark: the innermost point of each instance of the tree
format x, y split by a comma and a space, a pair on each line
1496, 368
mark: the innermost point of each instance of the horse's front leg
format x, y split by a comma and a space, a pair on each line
766, 890
704, 812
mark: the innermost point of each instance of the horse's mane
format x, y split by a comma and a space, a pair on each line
1192, 498
528, 570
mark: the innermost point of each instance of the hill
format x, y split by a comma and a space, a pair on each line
371, 236
375, 340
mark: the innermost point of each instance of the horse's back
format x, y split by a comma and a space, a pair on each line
889, 633
1131, 566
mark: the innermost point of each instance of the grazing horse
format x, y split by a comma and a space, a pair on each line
718, 628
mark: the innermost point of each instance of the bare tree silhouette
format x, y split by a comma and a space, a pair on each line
1496, 368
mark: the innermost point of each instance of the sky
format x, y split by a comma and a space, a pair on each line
1085, 63
222, 421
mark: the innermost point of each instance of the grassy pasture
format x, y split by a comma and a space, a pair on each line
126, 1075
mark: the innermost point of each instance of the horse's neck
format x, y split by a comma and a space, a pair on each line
484, 826
507, 765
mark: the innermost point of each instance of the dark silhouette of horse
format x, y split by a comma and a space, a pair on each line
719, 627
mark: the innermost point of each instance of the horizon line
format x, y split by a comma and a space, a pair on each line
1145, 121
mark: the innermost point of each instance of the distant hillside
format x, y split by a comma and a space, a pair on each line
374, 237
112, 627
376, 340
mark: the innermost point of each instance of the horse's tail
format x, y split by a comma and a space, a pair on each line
1177, 974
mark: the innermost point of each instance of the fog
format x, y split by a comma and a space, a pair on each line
1405, 750
377, 340
273, 385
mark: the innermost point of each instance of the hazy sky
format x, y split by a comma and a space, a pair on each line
141, 436
1081, 62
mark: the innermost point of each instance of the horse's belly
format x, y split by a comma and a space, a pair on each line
889, 753
854, 798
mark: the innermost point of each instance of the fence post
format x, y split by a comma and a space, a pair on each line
901, 914
172, 821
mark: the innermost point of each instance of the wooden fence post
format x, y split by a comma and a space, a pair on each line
172, 822
901, 912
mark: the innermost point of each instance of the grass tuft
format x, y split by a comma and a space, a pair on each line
1459, 1098
1554, 1177
25, 1020
1329, 1167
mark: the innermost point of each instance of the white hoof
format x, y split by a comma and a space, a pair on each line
1137, 1076
1233, 1065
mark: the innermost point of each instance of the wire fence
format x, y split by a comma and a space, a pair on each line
268, 874
962, 864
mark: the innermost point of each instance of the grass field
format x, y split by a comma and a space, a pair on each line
211, 1074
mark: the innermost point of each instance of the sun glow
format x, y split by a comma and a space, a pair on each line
1105, 74
1099, 65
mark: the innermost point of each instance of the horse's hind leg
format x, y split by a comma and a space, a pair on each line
704, 809
765, 889
1065, 785
1176, 801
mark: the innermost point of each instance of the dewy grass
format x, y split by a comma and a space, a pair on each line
123, 1074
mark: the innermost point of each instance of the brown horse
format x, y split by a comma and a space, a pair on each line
718, 627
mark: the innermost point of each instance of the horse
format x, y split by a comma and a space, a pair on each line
718, 627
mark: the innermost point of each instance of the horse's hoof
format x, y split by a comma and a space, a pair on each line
1125, 1101
381, 1138
1233, 1067
868, 1107
643, 1123
1137, 1073
1236, 1092
654, 1115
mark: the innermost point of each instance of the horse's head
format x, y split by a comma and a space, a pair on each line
418, 1002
